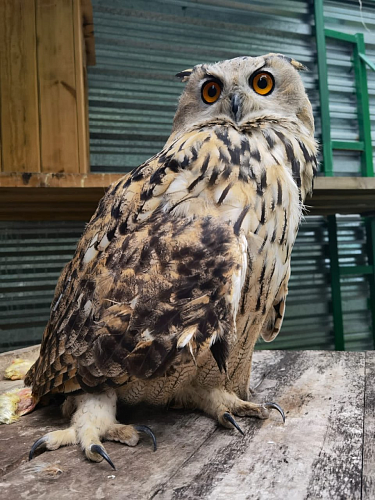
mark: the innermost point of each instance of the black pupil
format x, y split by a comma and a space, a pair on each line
262, 82
212, 91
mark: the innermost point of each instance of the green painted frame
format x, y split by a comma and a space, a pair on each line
360, 60
363, 145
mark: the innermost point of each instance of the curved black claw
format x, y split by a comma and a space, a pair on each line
230, 419
275, 406
147, 430
36, 445
95, 448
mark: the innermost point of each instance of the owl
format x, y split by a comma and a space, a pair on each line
186, 261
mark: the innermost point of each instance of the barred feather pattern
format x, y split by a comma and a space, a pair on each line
184, 264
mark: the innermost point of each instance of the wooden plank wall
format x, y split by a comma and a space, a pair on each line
43, 92
18, 87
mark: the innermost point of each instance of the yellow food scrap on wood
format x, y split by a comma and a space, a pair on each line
18, 369
15, 403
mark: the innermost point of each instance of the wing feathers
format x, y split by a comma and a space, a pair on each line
160, 267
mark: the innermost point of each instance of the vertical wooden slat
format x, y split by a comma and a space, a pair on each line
88, 31
81, 86
57, 86
18, 87
368, 483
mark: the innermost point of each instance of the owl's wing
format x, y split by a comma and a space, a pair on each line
143, 288
275, 317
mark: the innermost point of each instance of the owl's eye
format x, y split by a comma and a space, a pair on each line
211, 91
262, 82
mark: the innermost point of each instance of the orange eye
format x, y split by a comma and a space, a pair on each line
211, 91
263, 83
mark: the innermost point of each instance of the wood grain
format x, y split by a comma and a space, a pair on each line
317, 454
368, 485
57, 86
82, 89
67, 196
88, 31
18, 87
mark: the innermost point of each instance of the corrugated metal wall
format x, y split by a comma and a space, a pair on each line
308, 320
133, 95
141, 45
346, 16
355, 291
32, 255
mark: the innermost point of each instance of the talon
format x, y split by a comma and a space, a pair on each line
275, 406
147, 430
95, 448
230, 419
36, 445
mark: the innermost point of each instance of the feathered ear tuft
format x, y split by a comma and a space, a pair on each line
184, 75
297, 65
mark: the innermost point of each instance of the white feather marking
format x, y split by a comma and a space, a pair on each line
179, 184
146, 335
213, 339
91, 252
57, 303
238, 278
186, 336
88, 307
103, 243
186, 339
133, 303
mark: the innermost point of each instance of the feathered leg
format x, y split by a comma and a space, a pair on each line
94, 419
223, 404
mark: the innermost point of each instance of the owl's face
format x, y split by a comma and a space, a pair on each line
242, 89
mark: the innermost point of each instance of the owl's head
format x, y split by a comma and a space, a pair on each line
242, 89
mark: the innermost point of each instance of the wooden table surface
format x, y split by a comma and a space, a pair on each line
324, 450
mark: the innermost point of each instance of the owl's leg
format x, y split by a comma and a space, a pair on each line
223, 404
94, 419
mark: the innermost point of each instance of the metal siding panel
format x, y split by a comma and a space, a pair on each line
346, 16
308, 321
354, 289
141, 46
133, 96
32, 255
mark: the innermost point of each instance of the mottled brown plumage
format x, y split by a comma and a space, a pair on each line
187, 259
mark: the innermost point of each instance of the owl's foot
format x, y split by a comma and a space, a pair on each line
128, 434
93, 420
227, 420
222, 405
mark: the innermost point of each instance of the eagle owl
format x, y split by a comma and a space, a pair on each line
186, 261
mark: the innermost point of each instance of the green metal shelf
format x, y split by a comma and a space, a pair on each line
348, 145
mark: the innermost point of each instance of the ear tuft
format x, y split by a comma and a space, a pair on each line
297, 65
184, 75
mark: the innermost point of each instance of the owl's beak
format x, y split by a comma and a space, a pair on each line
235, 105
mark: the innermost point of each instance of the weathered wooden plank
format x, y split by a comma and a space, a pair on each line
316, 454
18, 87
19, 186
55, 180
52, 196
81, 88
368, 484
57, 86
344, 183
88, 32
139, 470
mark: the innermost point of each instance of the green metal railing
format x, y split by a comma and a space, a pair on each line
363, 145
